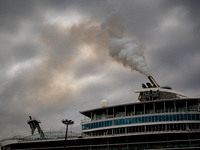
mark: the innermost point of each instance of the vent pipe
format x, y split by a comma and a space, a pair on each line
153, 81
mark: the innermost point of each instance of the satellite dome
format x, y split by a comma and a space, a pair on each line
104, 103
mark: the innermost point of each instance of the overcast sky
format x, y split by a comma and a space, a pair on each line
55, 56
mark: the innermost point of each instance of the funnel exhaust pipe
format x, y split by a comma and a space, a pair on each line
153, 81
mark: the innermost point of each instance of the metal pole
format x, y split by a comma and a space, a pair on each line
66, 122
66, 137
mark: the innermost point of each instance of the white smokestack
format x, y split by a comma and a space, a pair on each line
124, 50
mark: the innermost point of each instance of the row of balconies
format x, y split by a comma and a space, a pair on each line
123, 114
145, 109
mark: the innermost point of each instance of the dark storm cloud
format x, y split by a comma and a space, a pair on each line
52, 67
12, 13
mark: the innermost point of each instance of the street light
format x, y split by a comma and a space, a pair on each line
66, 122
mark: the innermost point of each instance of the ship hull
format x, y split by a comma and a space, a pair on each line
158, 140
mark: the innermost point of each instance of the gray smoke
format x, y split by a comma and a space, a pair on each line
124, 50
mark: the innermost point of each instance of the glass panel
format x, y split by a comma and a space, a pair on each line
100, 124
183, 117
170, 117
197, 117
174, 117
193, 117
167, 118
96, 125
178, 117
136, 120
160, 118
156, 118
129, 120
189, 117
83, 127
153, 119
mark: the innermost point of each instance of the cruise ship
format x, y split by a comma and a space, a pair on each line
161, 119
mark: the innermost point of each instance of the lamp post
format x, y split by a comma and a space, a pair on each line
66, 122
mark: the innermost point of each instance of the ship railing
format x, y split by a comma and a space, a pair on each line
50, 135
85, 120
109, 116
160, 111
121, 114
181, 110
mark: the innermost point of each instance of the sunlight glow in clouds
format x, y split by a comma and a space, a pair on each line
66, 20
64, 81
86, 51
22, 66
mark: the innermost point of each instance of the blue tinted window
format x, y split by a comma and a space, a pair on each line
106, 123
164, 117
126, 121
139, 120
119, 122
100, 124
116, 122
178, 117
171, 117
83, 127
153, 119
143, 119
183, 117
130, 120
133, 120
111, 123
174, 117
160, 118
122, 121
156, 118
146, 119
197, 117
193, 117
136, 120
150, 118
189, 117
167, 118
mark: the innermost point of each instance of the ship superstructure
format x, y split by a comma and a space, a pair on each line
168, 114
162, 119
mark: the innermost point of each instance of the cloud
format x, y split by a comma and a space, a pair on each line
54, 56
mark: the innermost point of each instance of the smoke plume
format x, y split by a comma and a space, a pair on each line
124, 50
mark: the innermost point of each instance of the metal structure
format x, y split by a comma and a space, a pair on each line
153, 81
35, 124
67, 123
